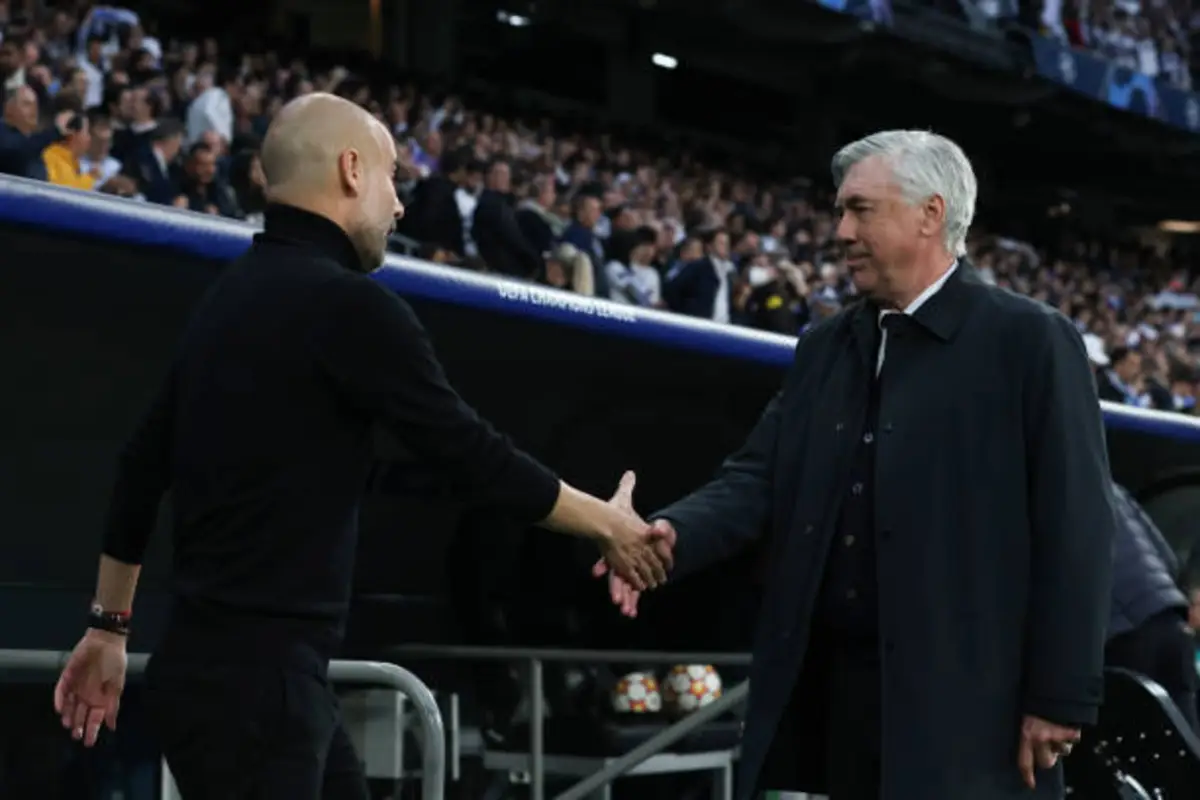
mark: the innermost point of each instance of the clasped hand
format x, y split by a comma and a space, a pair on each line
658, 539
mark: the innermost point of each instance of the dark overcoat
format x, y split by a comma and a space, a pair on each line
994, 529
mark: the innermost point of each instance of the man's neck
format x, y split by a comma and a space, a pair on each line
924, 278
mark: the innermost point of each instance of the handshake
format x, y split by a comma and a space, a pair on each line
637, 555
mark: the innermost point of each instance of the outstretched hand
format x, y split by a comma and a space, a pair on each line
624, 594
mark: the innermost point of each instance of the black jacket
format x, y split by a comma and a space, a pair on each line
994, 529
1144, 567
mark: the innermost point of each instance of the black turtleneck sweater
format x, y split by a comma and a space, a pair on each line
261, 432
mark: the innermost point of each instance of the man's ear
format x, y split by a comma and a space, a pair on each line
350, 171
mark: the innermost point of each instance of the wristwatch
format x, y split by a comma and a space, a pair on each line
111, 621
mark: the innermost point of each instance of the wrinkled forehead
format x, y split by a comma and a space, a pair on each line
869, 179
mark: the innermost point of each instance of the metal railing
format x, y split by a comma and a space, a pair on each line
535, 657
358, 673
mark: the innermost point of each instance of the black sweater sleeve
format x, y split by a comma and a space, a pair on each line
370, 343
143, 476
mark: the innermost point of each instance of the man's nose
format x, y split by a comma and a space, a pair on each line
399, 212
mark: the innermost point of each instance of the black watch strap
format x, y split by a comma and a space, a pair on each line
110, 621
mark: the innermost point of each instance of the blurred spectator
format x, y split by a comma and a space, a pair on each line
203, 189
212, 110
135, 112
153, 165
581, 233
535, 214
98, 160
21, 144
704, 288
498, 237
631, 277
443, 205
1121, 381
63, 159
569, 269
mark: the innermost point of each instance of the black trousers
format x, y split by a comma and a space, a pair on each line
855, 737
1164, 650
251, 733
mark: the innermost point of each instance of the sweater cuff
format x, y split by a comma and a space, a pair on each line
1069, 714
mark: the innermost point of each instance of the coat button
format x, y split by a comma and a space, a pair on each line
849, 540
856, 489
852, 594
808, 529
839, 427
887, 427
868, 437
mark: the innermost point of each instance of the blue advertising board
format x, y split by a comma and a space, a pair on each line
1118, 86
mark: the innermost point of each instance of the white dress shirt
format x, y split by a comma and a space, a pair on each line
910, 310
211, 111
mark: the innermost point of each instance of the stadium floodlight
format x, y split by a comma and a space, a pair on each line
665, 61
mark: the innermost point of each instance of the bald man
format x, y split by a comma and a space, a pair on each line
261, 432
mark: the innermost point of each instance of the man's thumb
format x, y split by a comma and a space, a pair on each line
624, 494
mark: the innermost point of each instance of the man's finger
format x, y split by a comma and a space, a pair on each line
624, 494
1025, 762
599, 569
95, 719
60, 692
663, 548
114, 708
1046, 755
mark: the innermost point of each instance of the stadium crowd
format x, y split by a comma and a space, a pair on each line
93, 100
1154, 38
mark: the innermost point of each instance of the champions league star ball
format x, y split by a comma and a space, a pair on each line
688, 687
637, 693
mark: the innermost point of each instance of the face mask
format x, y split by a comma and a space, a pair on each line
758, 276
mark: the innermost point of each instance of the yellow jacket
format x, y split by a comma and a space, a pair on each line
62, 168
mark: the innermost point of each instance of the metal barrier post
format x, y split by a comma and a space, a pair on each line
537, 730
656, 743
433, 778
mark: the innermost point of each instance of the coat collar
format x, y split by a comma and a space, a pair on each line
942, 314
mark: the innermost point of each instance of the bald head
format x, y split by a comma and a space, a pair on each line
311, 135
328, 156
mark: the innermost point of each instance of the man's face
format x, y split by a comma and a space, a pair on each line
878, 230
22, 110
720, 246
79, 82
10, 58
101, 141
1194, 611
204, 166
378, 206
500, 178
170, 147
1129, 367
80, 141
589, 212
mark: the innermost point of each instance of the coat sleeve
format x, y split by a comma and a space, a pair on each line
1072, 525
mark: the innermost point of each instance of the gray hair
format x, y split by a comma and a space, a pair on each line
923, 164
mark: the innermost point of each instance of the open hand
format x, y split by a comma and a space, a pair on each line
89, 692
1042, 745
624, 594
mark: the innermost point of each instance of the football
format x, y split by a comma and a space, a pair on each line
637, 693
687, 687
